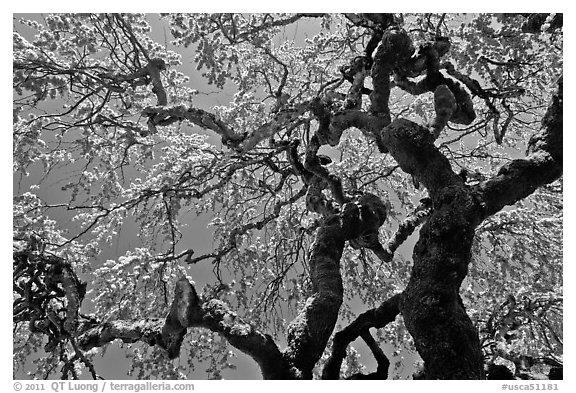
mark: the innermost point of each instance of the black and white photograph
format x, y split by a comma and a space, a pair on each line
286, 196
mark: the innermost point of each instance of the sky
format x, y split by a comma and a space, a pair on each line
246, 366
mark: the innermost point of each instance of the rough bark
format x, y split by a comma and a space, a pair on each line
188, 310
543, 165
431, 306
309, 332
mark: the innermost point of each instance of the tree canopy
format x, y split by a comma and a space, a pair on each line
192, 185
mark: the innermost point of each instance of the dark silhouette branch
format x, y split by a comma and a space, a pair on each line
442, 253
451, 101
371, 21
374, 318
163, 116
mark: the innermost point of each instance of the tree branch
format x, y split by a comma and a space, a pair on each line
167, 115
309, 332
217, 317
188, 310
281, 120
373, 318
543, 165
148, 331
372, 21
277, 23
152, 70
412, 146
405, 229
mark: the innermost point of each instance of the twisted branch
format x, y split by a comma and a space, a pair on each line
373, 318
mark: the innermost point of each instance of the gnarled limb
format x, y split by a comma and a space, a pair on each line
148, 331
189, 310
381, 359
163, 116
282, 119
217, 317
47, 293
312, 164
374, 318
431, 306
519, 178
309, 332
355, 73
451, 101
168, 115
395, 48
432, 309
151, 70
372, 21
412, 146
534, 22
445, 107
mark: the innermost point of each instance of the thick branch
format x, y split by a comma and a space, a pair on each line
535, 22
168, 115
312, 164
281, 120
369, 124
412, 146
543, 165
148, 331
152, 70
188, 310
372, 21
451, 101
217, 317
163, 116
432, 309
381, 359
374, 318
355, 73
395, 49
309, 332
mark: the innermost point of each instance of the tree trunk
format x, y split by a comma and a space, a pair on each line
431, 305
432, 308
